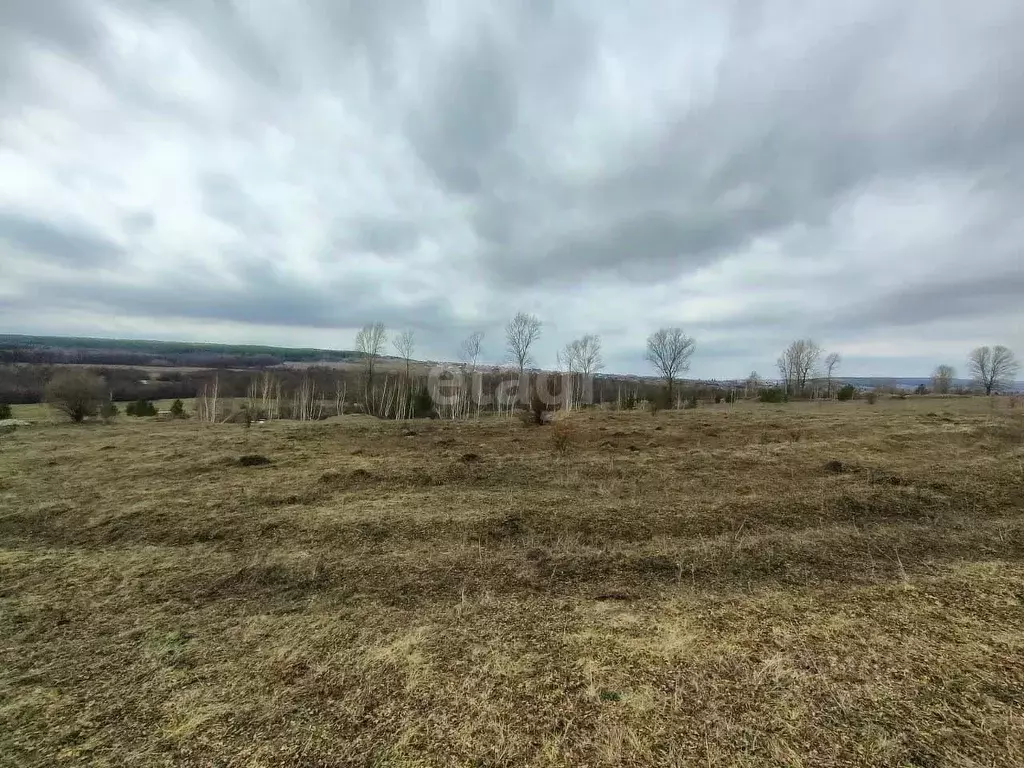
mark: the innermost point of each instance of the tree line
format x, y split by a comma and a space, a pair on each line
802, 370
401, 389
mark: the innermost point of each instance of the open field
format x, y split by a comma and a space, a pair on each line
798, 585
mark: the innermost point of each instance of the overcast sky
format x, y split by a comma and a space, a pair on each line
283, 171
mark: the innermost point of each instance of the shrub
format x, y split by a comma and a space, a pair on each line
691, 402
921, 389
871, 397
108, 410
5, 411
140, 407
660, 402
629, 403
422, 405
563, 436
76, 393
177, 410
535, 414
253, 460
773, 395
846, 392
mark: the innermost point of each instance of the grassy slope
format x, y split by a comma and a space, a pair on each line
695, 588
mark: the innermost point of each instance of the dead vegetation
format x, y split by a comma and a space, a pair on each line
813, 585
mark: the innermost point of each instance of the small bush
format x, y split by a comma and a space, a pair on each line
691, 401
527, 418
109, 410
772, 395
177, 410
5, 411
871, 397
253, 460
846, 392
660, 402
629, 403
422, 404
536, 414
77, 393
563, 437
920, 389
140, 407
718, 399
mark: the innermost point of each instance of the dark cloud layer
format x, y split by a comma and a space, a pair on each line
64, 244
753, 171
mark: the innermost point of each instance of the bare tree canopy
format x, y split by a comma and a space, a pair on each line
469, 350
583, 355
942, 379
992, 368
797, 363
520, 334
832, 361
669, 350
405, 345
370, 341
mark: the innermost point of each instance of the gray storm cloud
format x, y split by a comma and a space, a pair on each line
753, 171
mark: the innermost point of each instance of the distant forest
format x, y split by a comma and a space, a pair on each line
52, 350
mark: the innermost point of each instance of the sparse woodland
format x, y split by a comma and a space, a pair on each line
383, 378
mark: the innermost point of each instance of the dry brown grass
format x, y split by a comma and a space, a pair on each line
791, 585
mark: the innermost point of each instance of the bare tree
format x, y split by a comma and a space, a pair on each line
469, 354
520, 334
752, 385
797, 363
832, 361
993, 368
405, 345
206, 401
942, 379
340, 391
308, 405
582, 359
370, 341
588, 354
669, 350
568, 358
76, 393
469, 350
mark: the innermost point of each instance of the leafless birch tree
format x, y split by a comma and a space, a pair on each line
520, 334
832, 361
797, 363
370, 341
